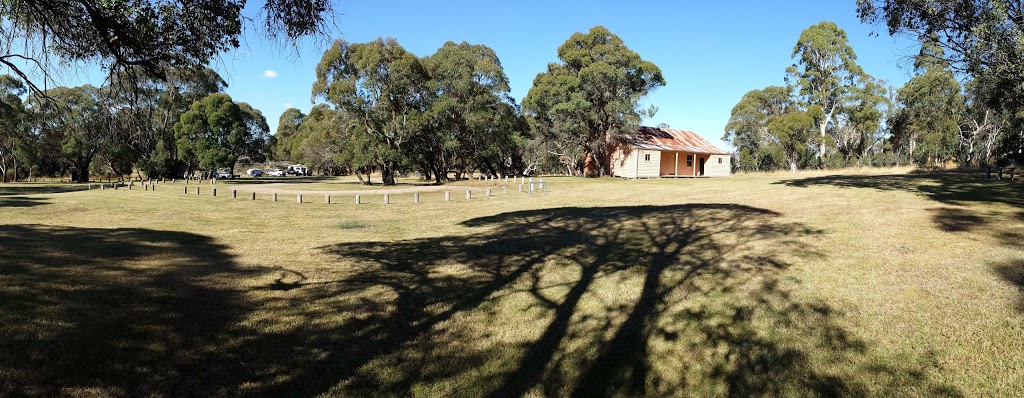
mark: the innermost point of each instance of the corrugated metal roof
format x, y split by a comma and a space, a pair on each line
665, 139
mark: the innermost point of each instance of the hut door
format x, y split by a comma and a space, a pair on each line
702, 161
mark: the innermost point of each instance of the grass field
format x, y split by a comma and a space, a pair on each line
873, 283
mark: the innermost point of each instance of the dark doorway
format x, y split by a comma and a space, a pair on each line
702, 161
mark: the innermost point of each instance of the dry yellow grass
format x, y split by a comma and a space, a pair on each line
858, 283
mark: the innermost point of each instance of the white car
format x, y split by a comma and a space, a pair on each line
276, 173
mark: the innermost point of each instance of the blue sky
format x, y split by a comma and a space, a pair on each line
711, 52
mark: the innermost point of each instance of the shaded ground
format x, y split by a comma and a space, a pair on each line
616, 301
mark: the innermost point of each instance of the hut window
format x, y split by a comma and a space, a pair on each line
689, 160
719, 160
647, 157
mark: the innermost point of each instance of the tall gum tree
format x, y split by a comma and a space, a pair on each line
593, 96
472, 112
983, 39
824, 71
381, 85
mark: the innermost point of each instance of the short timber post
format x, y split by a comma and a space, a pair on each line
253, 195
488, 192
416, 197
469, 194
387, 198
215, 192
447, 196
327, 199
234, 194
274, 196
298, 198
186, 188
357, 199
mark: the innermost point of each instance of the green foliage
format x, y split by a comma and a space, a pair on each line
983, 39
473, 118
13, 124
793, 130
216, 131
147, 36
74, 124
591, 99
825, 70
381, 85
747, 129
927, 125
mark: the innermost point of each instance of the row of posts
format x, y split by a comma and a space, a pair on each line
151, 186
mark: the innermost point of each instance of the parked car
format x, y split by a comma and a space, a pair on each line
276, 173
254, 172
297, 170
224, 174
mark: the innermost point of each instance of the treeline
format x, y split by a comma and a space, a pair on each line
379, 110
832, 114
448, 114
167, 127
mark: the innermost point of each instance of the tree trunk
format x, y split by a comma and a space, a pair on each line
387, 173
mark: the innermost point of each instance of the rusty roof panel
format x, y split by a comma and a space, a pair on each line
658, 138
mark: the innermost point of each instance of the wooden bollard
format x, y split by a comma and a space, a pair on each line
197, 190
234, 193
357, 199
186, 189
153, 188
90, 186
488, 191
215, 192
130, 184
172, 181
387, 198
298, 198
416, 197
469, 194
274, 196
447, 196
102, 186
327, 199
254, 195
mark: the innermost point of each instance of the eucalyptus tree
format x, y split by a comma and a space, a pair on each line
472, 113
926, 126
216, 132
592, 98
142, 35
76, 121
983, 39
860, 126
13, 126
285, 140
747, 129
793, 130
824, 71
384, 88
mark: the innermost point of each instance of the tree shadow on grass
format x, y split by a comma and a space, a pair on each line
13, 194
1013, 272
23, 188
644, 300
113, 312
957, 190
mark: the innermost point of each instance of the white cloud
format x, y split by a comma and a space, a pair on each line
270, 73
287, 104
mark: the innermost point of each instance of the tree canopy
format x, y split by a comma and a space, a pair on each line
592, 98
142, 35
